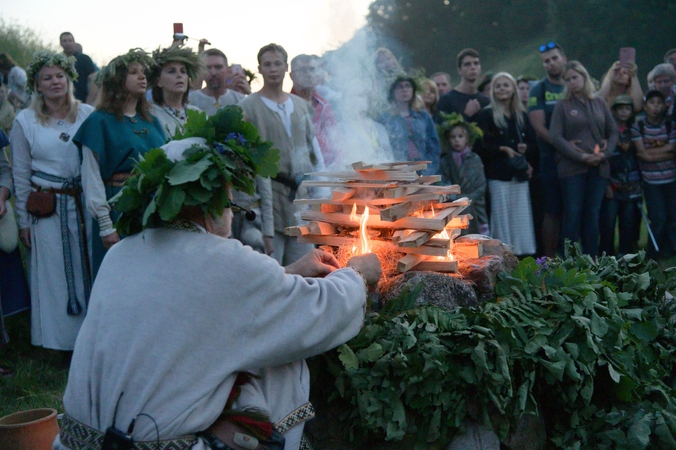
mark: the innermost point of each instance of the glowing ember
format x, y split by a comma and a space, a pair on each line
364, 241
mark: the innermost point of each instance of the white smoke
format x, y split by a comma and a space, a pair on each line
349, 89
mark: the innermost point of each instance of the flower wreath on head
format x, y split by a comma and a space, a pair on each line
119, 62
450, 121
48, 58
192, 61
194, 169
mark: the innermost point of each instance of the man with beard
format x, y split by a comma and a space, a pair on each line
175, 352
465, 98
216, 94
541, 102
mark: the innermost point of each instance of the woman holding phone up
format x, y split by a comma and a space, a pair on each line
622, 79
584, 133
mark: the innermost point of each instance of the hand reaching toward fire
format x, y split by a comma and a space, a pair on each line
368, 266
317, 263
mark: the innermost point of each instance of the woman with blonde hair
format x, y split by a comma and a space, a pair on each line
387, 69
53, 224
622, 80
584, 133
507, 147
429, 95
118, 133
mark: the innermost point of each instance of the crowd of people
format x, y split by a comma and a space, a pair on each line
542, 161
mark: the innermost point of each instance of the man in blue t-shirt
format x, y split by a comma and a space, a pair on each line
541, 102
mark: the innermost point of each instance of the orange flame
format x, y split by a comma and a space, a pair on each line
443, 234
364, 241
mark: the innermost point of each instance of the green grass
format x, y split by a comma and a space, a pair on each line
40, 375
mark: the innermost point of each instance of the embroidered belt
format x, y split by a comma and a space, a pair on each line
71, 187
118, 179
300, 414
78, 436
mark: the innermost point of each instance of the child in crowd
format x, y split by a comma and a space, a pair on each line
654, 137
460, 165
623, 194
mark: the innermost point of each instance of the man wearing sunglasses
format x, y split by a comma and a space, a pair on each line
541, 102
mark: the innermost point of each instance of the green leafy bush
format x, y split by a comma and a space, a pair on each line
587, 343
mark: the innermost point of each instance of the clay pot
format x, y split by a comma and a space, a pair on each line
34, 429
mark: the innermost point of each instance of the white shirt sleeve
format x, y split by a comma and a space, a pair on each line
21, 171
95, 192
264, 188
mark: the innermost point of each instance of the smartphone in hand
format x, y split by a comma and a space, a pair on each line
178, 31
627, 55
237, 69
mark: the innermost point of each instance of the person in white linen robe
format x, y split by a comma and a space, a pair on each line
49, 149
175, 314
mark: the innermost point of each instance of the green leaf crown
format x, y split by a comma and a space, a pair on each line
138, 55
453, 120
230, 152
193, 63
48, 58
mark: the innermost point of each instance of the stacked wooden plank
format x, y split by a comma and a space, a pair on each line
408, 213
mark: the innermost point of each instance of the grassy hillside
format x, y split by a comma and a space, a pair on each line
20, 42
522, 61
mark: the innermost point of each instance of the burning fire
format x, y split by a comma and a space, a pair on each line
364, 241
443, 234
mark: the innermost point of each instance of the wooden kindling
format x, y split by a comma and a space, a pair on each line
409, 214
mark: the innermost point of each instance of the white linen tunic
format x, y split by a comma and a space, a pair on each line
174, 315
211, 105
49, 149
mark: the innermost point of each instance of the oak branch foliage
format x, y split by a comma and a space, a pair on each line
587, 344
233, 154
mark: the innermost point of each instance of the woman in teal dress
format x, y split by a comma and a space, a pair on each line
112, 138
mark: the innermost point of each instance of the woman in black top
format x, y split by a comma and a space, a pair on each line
509, 141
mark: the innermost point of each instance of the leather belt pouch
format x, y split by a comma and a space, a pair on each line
41, 204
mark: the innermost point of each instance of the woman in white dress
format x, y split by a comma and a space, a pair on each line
170, 82
45, 159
